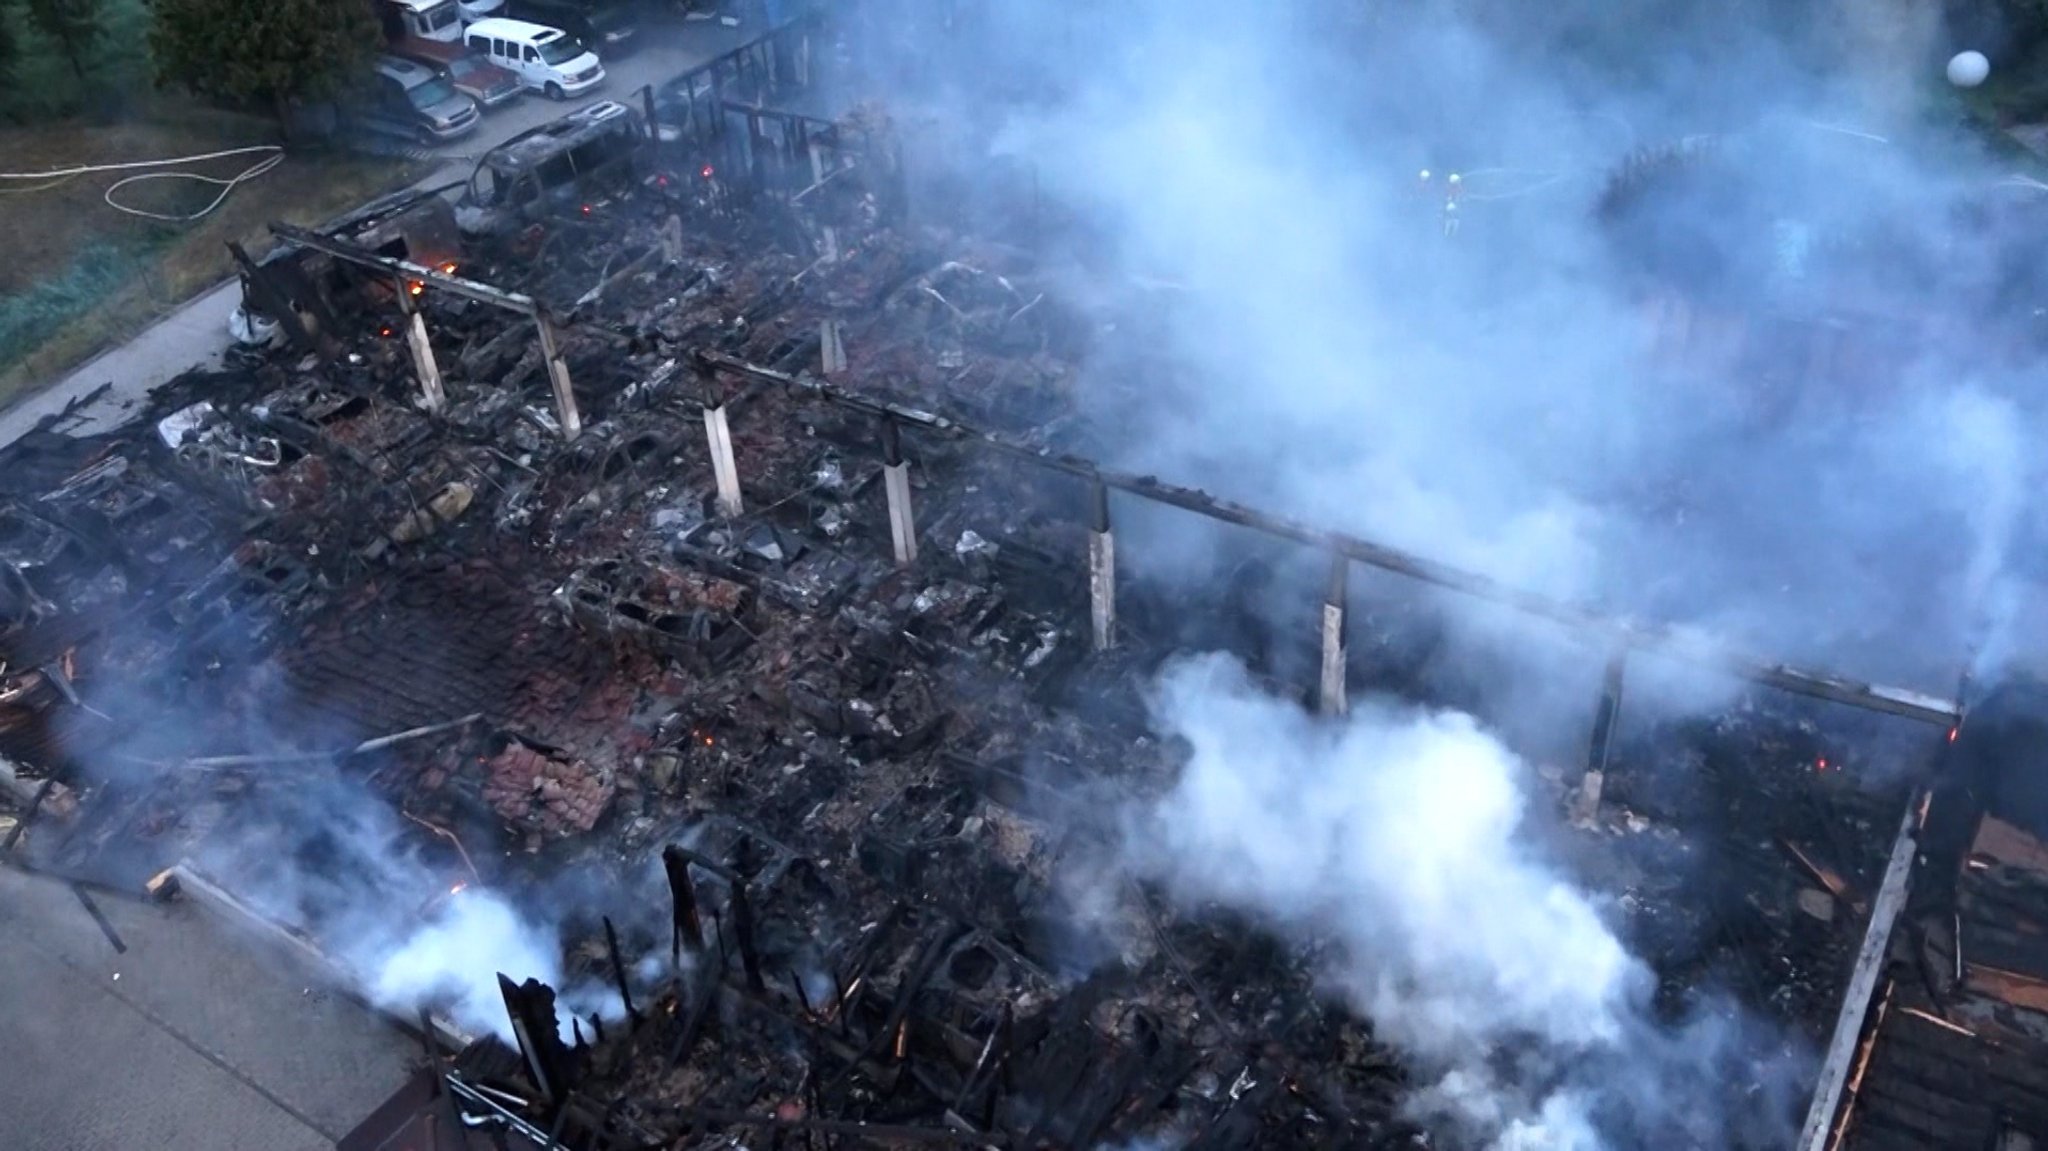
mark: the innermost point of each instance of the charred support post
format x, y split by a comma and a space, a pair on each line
423, 365
723, 466
558, 376
831, 351
531, 1006
1586, 804
743, 931
1335, 700
689, 925
611, 942
896, 481
1102, 572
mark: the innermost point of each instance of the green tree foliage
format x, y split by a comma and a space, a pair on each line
262, 51
76, 27
10, 48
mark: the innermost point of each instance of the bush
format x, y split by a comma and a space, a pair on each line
27, 318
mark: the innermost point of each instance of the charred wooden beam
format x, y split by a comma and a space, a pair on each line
1856, 1001
1681, 643
537, 1029
1608, 714
872, 1132
743, 932
688, 923
611, 943
433, 277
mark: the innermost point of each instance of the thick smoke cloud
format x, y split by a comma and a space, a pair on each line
1316, 344
1396, 841
325, 854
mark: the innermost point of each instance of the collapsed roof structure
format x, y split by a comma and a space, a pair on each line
708, 572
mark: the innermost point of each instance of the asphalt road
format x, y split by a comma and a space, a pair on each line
195, 334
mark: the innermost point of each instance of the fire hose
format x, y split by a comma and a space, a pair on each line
272, 155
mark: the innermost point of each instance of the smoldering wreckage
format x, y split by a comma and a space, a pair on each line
671, 644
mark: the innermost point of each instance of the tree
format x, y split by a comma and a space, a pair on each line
10, 48
75, 26
262, 51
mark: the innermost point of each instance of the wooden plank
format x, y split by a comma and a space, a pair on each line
1856, 1001
2009, 987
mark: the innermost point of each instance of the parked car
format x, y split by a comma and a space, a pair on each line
474, 10
420, 19
474, 76
556, 169
408, 99
545, 59
610, 26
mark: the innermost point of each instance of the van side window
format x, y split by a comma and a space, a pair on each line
532, 55
556, 171
500, 48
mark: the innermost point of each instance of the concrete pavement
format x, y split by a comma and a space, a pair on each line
195, 334
192, 1039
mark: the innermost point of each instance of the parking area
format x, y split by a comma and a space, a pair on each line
667, 48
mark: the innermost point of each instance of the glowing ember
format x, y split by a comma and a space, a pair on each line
458, 889
1952, 732
449, 267
708, 171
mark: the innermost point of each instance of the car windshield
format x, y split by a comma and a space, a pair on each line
435, 91
560, 50
440, 16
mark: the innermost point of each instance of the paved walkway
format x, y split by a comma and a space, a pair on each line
193, 1039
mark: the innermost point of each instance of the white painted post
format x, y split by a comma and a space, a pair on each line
1335, 700
831, 352
423, 365
896, 482
558, 378
723, 465
1102, 573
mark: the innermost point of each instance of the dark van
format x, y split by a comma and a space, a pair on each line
554, 169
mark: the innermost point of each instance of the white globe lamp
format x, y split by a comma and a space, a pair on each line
1968, 69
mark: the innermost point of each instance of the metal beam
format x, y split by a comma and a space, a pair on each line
1684, 644
361, 256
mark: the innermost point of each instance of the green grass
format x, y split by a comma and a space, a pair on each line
97, 273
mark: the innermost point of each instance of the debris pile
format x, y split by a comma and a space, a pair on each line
823, 786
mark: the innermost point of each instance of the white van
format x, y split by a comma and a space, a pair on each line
547, 59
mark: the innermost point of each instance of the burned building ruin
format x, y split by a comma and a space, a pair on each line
714, 568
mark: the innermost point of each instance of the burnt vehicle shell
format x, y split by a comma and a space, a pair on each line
553, 169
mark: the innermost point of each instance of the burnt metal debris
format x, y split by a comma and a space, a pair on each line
725, 530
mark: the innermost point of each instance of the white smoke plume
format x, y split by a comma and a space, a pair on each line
1314, 343
452, 959
324, 854
1398, 836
